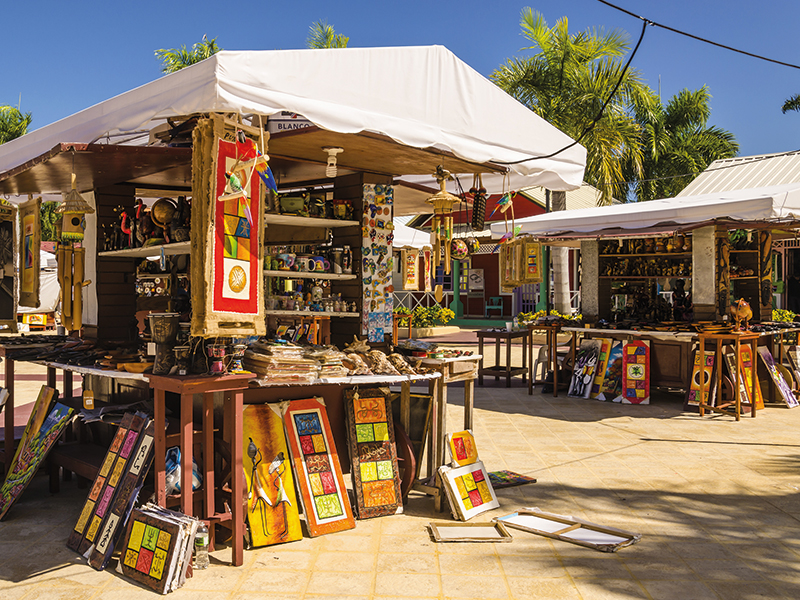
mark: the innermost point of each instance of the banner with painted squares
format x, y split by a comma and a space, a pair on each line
373, 454
468, 490
316, 464
377, 233
636, 372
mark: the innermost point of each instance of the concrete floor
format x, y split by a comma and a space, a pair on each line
716, 502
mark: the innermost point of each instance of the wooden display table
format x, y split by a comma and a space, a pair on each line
497, 369
737, 338
205, 386
551, 340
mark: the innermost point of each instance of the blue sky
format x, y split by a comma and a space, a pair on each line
61, 57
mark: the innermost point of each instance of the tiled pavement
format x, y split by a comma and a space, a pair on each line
716, 501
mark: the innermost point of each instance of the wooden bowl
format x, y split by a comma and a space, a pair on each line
137, 367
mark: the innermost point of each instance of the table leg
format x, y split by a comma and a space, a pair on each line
160, 448
187, 437
209, 485
530, 362
701, 349
497, 356
754, 354
68, 388
508, 362
51, 377
8, 430
552, 340
405, 405
439, 435
469, 400
480, 365
433, 394
525, 356
237, 480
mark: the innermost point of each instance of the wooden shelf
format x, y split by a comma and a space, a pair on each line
744, 251
309, 313
310, 275
745, 277
169, 249
297, 221
660, 254
643, 277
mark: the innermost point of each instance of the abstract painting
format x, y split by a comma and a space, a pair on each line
636, 372
704, 374
30, 241
373, 455
612, 380
463, 450
580, 386
602, 365
272, 510
100, 500
319, 475
41, 432
783, 388
746, 364
468, 489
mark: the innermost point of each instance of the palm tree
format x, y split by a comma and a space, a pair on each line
676, 144
568, 80
175, 59
322, 35
13, 123
792, 103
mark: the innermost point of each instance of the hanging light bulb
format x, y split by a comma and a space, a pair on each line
330, 170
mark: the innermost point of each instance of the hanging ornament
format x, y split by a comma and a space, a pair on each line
478, 203
442, 224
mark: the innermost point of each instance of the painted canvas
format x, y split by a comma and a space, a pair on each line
704, 374
272, 510
41, 432
463, 450
611, 387
410, 263
586, 358
468, 489
157, 547
784, 390
793, 352
636, 372
124, 496
746, 363
602, 365
373, 454
30, 240
326, 506
101, 495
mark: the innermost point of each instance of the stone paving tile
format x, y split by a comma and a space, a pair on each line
611, 589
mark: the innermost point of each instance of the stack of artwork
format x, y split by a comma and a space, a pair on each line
157, 548
111, 497
41, 432
608, 370
376, 250
466, 482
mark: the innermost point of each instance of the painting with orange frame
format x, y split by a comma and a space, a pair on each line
463, 450
746, 369
326, 505
272, 510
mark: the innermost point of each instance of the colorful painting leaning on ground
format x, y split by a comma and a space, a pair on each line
585, 363
272, 510
41, 432
636, 372
316, 463
373, 454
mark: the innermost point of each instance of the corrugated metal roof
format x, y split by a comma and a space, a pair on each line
746, 172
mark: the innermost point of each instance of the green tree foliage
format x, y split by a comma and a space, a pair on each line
48, 218
567, 81
13, 123
792, 103
175, 59
322, 35
677, 143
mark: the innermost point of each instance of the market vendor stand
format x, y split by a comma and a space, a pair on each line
737, 338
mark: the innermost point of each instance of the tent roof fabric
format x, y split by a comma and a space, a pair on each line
419, 96
776, 204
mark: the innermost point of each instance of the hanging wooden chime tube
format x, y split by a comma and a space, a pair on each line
77, 288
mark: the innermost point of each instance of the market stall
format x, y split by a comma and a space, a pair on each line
225, 264
662, 270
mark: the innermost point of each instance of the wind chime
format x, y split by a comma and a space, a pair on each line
442, 224
71, 258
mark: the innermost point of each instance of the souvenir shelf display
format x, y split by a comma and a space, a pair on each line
644, 258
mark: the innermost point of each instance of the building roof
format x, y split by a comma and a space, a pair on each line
745, 172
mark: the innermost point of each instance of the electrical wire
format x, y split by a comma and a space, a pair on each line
697, 37
599, 114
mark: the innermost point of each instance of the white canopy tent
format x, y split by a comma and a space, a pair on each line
775, 204
423, 97
408, 237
